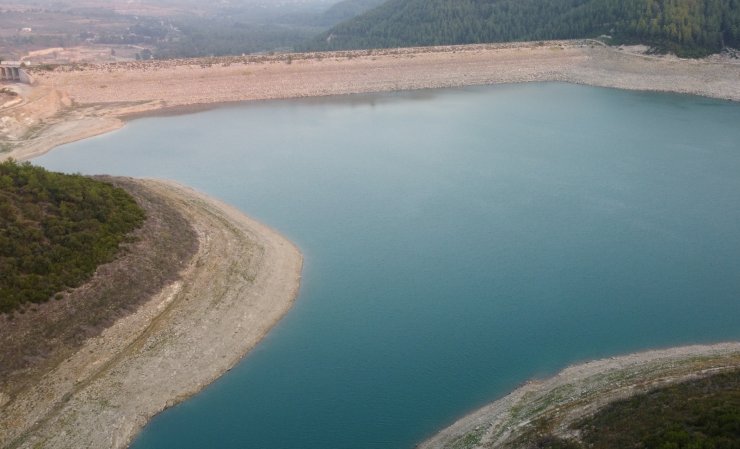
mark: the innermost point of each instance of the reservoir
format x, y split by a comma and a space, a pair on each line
457, 243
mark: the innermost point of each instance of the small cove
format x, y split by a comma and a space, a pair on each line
457, 243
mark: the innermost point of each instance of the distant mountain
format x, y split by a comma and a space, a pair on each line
346, 10
687, 27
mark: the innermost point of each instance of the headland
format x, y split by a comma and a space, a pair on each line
242, 278
580, 391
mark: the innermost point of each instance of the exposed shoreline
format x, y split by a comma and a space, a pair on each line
76, 102
240, 283
579, 391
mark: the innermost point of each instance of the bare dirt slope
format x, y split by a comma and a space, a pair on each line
242, 280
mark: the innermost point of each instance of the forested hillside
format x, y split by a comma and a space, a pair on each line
55, 230
686, 27
347, 9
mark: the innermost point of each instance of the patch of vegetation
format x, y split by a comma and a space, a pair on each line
686, 27
9, 92
468, 440
46, 67
699, 414
556, 443
55, 230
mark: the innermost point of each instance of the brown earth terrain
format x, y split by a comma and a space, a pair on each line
102, 384
72, 102
580, 391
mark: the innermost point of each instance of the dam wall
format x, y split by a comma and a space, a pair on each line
13, 71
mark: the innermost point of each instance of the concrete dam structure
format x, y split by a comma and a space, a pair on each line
13, 71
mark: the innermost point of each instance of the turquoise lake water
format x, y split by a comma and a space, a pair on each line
457, 243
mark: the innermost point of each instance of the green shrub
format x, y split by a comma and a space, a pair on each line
55, 230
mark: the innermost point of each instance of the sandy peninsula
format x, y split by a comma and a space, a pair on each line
242, 279
580, 391
77, 101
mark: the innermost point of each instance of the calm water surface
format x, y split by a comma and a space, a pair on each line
457, 243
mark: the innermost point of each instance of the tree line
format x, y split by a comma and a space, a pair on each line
686, 27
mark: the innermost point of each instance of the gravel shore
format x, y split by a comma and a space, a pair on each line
242, 280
